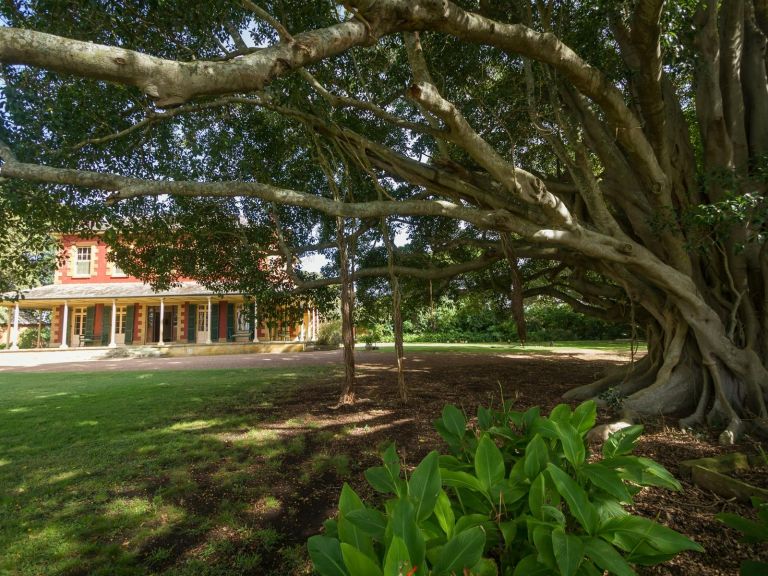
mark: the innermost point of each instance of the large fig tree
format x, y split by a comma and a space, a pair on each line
623, 140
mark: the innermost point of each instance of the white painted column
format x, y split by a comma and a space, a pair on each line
208, 336
64, 322
302, 330
8, 330
112, 343
15, 333
317, 324
255, 323
162, 318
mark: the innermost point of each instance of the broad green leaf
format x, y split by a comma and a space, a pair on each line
454, 421
552, 514
326, 556
468, 521
752, 531
351, 534
489, 463
530, 566
583, 418
561, 414
536, 457
508, 531
331, 528
542, 539
380, 480
444, 513
645, 540
576, 497
404, 526
654, 474
358, 563
391, 461
607, 480
369, 521
573, 444
485, 567
484, 417
569, 551
424, 486
397, 561
606, 557
530, 417
349, 500
464, 550
537, 495
622, 441
461, 480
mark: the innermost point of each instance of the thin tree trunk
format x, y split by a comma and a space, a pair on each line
397, 318
348, 385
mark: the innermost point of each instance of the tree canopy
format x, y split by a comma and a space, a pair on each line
622, 145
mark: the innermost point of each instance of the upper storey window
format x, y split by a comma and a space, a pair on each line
83, 261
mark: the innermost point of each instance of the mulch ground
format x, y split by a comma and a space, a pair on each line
468, 380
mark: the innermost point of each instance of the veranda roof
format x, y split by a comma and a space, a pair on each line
54, 294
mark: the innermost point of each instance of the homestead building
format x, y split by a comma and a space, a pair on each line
94, 303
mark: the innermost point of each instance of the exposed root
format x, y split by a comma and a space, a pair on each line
677, 393
642, 372
697, 418
732, 433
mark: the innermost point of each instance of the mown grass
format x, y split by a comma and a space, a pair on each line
505, 348
141, 473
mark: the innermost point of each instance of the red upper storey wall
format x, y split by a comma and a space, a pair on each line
97, 269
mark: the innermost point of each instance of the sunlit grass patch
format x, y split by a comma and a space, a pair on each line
138, 473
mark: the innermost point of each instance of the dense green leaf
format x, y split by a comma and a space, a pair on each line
380, 480
576, 497
489, 463
369, 521
569, 551
537, 494
584, 417
622, 441
358, 563
646, 541
349, 500
536, 457
542, 539
561, 414
424, 486
326, 556
573, 445
454, 421
464, 550
444, 513
461, 480
405, 526
397, 561
607, 480
751, 531
606, 557
530, 566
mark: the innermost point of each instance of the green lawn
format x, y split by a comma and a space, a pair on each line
109, 473
504, 348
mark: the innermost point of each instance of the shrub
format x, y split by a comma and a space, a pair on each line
516, 495
329, 333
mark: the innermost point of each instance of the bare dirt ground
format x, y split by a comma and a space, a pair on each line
466, 380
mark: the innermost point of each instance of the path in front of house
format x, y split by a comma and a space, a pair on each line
94, 360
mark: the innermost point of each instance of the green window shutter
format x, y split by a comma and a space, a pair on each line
106, 325
230, 322
214, 327
90, 316
129, 312
191, 322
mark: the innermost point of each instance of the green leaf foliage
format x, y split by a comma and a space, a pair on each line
518, 495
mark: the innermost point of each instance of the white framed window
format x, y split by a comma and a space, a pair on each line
121, 314
83, 261
117, 271
202, 318
78, 321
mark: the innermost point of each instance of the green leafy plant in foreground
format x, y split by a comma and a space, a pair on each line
754, 531
516, 496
